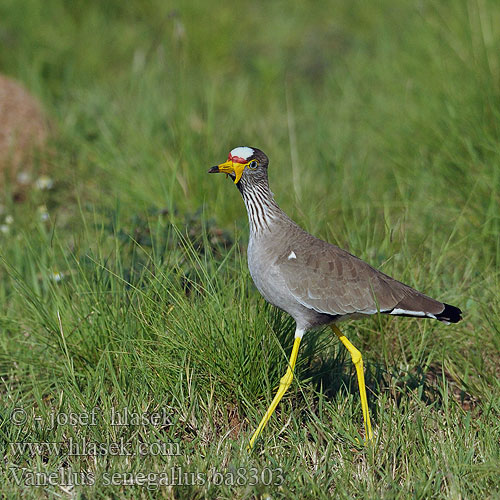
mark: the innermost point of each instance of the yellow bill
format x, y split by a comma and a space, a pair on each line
229, 167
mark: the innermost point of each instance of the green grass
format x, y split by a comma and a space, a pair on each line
382, 124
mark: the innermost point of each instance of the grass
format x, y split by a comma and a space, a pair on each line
381, 121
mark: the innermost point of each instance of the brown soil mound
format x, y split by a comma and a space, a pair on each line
23, 129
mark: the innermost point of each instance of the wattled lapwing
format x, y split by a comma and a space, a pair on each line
315, 282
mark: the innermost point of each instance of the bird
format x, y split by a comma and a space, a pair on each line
315, 282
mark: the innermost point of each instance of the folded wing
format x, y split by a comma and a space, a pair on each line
329, 280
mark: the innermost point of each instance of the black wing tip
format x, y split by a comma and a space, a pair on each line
451, 314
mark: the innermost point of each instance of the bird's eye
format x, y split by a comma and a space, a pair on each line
253, 165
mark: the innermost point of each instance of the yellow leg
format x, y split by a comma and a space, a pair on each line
358, 363
285, 382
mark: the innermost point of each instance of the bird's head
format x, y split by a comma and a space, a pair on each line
243, 162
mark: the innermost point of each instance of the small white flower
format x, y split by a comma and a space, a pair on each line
4, 228
43, 213
44, 183
24, 177
9, 219
57, 276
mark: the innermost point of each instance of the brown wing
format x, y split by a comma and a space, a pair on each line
329, 280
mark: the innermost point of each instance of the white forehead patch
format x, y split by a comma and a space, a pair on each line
243, 152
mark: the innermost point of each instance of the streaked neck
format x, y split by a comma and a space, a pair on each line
262, 210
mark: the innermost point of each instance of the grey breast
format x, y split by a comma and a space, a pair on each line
265, 256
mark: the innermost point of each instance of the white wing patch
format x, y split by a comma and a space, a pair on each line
243, 152
292, 255
413, 313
